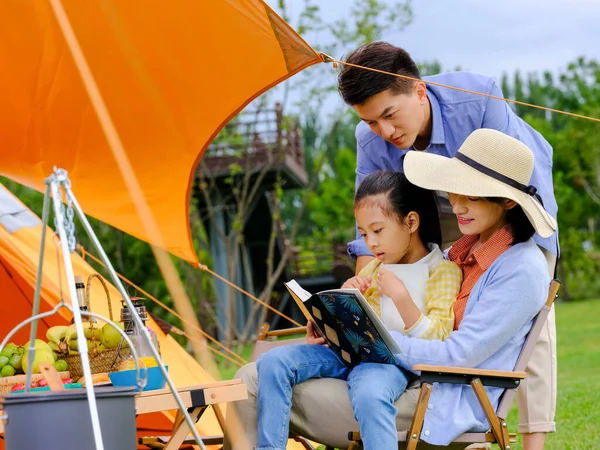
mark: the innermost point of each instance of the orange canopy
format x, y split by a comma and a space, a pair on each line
171, 74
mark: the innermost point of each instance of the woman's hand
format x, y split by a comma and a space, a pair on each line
357, 282
312, 337
391, 285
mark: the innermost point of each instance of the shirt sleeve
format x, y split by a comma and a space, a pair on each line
364, 167
441, 291
372, 294
497, 112
507, 303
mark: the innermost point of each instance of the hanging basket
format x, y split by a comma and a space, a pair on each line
105, 360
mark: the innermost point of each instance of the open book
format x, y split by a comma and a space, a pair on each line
350, 326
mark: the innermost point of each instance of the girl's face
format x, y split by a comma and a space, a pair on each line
478, 216
388, 239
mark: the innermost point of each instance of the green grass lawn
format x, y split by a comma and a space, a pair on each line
578, 403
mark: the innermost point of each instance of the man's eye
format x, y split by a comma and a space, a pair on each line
473, 199
389, 116
378, 231
363, 234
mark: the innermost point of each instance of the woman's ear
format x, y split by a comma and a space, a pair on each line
412, 221
509, 204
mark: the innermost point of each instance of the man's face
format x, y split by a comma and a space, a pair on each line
397, 118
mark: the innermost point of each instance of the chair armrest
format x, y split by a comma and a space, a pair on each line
463, 375
469, 371
287, 332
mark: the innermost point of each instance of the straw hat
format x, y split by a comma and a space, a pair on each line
488, 164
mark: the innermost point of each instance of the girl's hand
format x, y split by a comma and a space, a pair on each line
360, 283
391, 285
312, 337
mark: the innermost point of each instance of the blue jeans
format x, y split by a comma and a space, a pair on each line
373, 390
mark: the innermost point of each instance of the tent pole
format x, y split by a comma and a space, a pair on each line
38, 289
58, 178
136, 318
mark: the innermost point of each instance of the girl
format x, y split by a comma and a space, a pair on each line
400, 224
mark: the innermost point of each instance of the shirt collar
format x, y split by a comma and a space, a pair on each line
460, 248
433, 258
497, 244
437, 125
485, 255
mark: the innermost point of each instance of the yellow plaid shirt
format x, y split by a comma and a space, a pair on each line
442, 288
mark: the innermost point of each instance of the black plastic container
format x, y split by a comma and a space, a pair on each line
61, 420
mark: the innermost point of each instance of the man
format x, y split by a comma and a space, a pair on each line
399, 115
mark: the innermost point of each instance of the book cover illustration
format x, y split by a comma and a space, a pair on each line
349, 331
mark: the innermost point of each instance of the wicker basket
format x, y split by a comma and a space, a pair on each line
7, 383
107, 360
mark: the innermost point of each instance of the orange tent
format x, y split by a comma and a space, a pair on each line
169, 75
20, 233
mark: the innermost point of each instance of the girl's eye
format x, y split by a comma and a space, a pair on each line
363, 234
473, 199
378, 231
389, 116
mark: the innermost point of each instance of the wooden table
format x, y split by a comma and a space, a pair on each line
195, 398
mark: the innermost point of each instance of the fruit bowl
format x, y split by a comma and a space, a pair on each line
156, 380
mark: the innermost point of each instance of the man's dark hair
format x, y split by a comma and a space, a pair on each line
357, 85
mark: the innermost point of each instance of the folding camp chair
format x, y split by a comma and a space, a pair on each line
477, 378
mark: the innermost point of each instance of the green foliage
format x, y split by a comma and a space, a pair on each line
330, 206
576, 168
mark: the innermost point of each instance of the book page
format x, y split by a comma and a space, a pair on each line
414, 277
300, 292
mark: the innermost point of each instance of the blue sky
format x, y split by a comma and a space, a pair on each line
492, 36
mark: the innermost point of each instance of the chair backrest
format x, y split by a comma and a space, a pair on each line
528, 347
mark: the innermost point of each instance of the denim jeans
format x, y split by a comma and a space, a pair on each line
372, 388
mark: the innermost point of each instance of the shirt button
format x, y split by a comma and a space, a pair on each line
430, 406
426, 433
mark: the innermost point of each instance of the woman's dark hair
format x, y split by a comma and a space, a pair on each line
356, 85
402, 197
520, 225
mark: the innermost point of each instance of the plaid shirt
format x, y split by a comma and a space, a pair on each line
441, 290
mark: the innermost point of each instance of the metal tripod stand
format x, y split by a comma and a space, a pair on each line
65, 228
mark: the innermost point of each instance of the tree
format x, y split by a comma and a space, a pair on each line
576, 164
